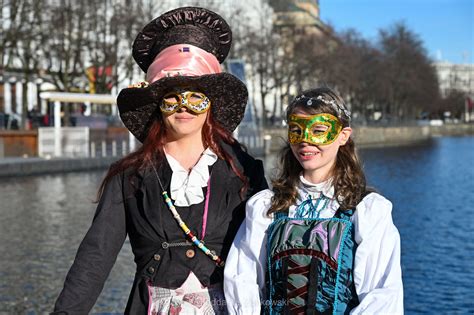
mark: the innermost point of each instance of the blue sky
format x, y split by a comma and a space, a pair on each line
445, 26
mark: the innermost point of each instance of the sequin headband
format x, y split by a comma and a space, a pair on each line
340, 109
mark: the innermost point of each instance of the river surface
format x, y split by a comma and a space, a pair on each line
44, 218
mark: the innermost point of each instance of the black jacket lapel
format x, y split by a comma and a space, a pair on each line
152, 198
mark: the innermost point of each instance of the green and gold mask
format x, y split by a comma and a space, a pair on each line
320, 129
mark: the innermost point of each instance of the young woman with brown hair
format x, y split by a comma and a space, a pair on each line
180, 198
319, 242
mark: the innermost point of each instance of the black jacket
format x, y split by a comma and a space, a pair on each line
133, 206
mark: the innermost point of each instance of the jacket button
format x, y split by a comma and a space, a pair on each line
156, 257
190, 253
151, 269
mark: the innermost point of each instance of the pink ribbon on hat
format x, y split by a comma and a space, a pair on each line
182, 59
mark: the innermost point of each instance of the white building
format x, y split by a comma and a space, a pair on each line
458, 77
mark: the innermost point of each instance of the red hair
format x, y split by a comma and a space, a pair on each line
152, 150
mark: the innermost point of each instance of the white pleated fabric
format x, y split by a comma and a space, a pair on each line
186, 187
377, 271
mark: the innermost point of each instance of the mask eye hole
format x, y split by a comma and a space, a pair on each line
196, 97
295, 130
171, 99
319, 129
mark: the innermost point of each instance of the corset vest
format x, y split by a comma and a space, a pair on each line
309, 265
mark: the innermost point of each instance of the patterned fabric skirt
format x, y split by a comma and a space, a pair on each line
191, 298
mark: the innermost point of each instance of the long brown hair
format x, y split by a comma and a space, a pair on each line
347, 175
213, 136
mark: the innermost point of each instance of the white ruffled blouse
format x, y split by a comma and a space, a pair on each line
186, 187
377, 271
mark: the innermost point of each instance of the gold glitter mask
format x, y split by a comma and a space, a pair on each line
195, 101
320, 129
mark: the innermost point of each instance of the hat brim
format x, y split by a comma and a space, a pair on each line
139, 107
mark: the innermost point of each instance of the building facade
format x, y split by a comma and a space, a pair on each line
302, 14
459, 77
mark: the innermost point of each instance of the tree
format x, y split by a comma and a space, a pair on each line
454, 103
89, 42
393, 76
350, 66
20, 43
259, 45
410, 80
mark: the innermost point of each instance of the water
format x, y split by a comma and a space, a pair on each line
44, 218
432, 189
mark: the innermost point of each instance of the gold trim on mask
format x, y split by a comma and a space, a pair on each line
197, 102
302, 128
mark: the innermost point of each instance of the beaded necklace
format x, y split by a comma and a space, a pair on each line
211, 254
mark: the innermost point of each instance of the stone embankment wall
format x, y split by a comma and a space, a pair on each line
385, 136
36, 166
452, 130
390, 136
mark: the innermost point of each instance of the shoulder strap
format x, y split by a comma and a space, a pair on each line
344, 214
280, 214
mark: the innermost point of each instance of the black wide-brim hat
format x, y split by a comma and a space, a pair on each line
140, 107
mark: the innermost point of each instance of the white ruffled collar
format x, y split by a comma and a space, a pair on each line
315, 190
186, 188
306, 190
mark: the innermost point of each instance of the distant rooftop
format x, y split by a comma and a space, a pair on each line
293, 5
296, 12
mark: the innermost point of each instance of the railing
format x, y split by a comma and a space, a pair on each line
112, 148
84, 142
81, 142
252, 138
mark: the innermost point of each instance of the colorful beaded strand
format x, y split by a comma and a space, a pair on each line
183, 225
188, 232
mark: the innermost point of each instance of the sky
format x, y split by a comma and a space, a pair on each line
446, 27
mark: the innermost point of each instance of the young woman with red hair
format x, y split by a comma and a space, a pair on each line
180, 198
